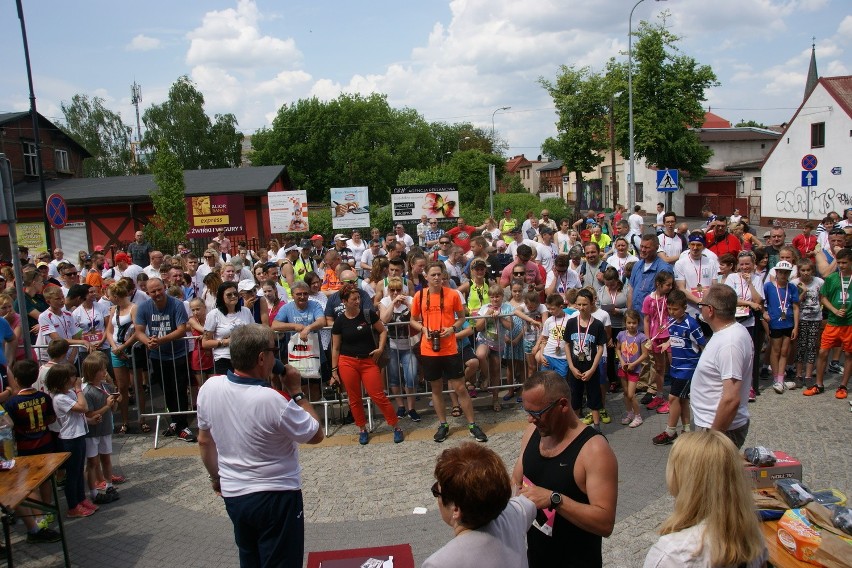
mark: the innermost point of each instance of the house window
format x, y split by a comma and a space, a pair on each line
817, 135
757, 184
640, 194
61, 161
30, 167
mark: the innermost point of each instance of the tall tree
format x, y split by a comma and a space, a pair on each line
169, 224
181, 125
668, 91
351, 140
100, 131
582, 103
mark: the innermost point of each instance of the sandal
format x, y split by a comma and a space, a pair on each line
122, 429
457, 411
497, 406
144, 428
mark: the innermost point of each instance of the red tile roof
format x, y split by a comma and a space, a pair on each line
516, 163
841, 89
714, 121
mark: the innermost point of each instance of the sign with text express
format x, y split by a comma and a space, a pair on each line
209, 213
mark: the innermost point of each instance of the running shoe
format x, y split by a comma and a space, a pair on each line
605, 416
43, 535
835, 367
398, 435
364, 437
443, 432
187, 436
89, 505
663, 408
103, 498
637, 421
840, 392
752, 395
812, 390
778, 387
627, 419
658, 401
588, 419
477, 433
400, 411
413, 415
663, 439
118, 479
171, 431
80, 511
791, 385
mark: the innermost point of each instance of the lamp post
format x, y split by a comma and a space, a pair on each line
494, 140
631, 186
458, 145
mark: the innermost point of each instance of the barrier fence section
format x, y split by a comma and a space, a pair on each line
167, 387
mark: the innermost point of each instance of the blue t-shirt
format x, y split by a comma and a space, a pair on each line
292, 314
159, 323
686, 341
7, 334
775, 296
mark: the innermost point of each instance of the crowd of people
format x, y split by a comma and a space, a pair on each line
604, 303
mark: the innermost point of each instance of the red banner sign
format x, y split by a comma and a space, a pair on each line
209, 213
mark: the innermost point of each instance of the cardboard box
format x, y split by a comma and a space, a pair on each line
785, 467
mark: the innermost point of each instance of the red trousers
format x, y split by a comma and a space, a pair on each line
354, 372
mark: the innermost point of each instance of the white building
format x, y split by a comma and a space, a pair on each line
796, 187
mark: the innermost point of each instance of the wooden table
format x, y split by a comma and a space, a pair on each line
17, 484
778, 555
402, 555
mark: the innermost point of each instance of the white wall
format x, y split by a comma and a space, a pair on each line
783, 196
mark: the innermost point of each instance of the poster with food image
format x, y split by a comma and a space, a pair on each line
350, 207
439, 201
288, 211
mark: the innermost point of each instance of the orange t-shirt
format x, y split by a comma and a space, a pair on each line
331, 281
93, 278
435, 319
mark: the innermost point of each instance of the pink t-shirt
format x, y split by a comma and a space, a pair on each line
657, 312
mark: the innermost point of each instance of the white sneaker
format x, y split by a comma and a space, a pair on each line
637, 421
790, 385
778, 386
627, 419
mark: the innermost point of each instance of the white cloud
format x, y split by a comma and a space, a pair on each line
232, 38
143, 43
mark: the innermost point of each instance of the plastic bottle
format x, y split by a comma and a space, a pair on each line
8, 450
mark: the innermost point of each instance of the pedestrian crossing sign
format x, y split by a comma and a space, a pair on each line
667, 180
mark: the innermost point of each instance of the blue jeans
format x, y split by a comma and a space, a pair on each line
269, 528
405, 359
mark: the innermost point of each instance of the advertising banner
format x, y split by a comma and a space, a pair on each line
31, 235
410, 202
350, 207
209, 213
288, 211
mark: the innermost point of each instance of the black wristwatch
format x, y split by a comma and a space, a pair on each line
297, 398
555, 500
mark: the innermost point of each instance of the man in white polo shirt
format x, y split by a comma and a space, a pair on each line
249, 434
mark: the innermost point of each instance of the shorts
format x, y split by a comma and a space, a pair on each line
98, 445
834, 335
602, 374
630, 377
439, 367
556, 364
778, 333
467, 353
656, 344
528, 346
592, 390
680, 388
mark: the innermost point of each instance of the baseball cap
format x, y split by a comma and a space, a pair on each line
586, 235
783, 265
99, 248
291, 248
123, 257
500, 245
317, 237
246, 286
339, 237
42, 265
306, 243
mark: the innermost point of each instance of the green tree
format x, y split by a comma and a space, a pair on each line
181, 125
169, 224
582, 102
750, 123
100, 131
668, 91
352, 140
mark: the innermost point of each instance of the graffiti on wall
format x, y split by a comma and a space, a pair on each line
822, 201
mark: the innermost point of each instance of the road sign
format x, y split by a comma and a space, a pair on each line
809, 178
667, 180
809, 162
57, 211
836, 171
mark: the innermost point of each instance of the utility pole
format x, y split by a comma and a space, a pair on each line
613, 183
135, 99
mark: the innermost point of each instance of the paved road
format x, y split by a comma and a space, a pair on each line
361, 496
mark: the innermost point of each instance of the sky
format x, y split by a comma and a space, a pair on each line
451, 60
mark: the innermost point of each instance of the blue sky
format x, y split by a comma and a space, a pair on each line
455, 60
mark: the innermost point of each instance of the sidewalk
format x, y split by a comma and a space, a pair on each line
364, 495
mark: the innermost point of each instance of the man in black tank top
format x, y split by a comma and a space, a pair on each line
571, 474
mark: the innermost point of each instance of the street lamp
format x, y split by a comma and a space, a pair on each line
631, 186
494, 140
458, 145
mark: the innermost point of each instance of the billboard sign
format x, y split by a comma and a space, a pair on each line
438, 200
350, 207
288, 211
209, 213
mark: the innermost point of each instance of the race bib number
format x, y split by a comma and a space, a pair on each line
742, 312
93, 336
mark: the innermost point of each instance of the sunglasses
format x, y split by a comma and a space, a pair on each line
435, 492
702, 305
519, 273
537, 414
230, 295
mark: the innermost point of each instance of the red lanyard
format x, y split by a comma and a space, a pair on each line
697, 270
582, 338
745, 287
782, 303
62, 322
